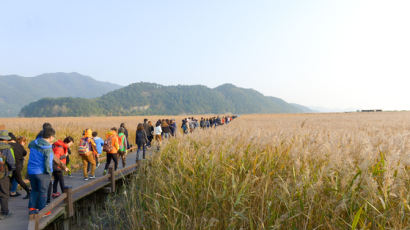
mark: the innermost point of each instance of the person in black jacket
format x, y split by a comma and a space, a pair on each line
148, 131
17, 144
141, 140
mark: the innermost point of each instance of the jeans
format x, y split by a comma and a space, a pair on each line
14, 185
143, 151
39, 187
17, 179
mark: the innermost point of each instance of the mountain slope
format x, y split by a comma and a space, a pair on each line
150, 99
303, 108
17, 91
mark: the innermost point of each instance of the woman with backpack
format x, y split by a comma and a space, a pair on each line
86, 149
111, 147
141, 140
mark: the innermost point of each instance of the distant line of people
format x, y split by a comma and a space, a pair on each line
190, 124
50, 158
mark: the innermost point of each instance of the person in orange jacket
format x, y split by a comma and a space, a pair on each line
111, 147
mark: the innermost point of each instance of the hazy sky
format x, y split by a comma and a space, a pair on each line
335, 54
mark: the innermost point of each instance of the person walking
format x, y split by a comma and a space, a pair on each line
147, 129
173, 127
122, 125
165, 129
150, 134
141, 140
17, 145
39, 169
86, 149
7, 165
60, 149
111, 147
184, 126
157, 133
122, 151
99, 142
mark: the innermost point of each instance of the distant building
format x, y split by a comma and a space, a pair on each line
370, 110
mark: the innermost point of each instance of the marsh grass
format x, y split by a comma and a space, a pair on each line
323, 171
74, 126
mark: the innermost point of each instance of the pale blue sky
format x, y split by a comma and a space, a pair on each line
335, 54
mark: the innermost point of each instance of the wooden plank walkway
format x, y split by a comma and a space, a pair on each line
19, 207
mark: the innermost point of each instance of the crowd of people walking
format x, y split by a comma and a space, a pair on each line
49, 159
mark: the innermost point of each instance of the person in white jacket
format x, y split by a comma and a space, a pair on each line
157, 133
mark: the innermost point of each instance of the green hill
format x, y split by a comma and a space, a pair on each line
17, 91
155, 99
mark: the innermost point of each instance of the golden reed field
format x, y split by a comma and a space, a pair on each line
307, 171
315, 171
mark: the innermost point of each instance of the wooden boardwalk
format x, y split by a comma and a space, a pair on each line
19, 207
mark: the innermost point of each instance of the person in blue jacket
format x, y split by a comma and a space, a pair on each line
40, 168
100, 143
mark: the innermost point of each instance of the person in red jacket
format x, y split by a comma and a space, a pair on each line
60, 149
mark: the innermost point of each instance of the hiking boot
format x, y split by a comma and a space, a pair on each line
92, 177
86, 178
55, 195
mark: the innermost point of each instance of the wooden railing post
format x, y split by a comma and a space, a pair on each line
33, 222
112, 177
69, 201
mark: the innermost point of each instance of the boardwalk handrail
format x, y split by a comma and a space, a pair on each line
68, 199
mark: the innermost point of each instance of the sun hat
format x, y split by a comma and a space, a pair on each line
4, 135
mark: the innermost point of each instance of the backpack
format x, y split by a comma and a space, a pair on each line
122, 141
107, 147
3, 169
140, 137
84, 147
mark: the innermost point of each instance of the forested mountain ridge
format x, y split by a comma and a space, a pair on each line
17, 91
154, 99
